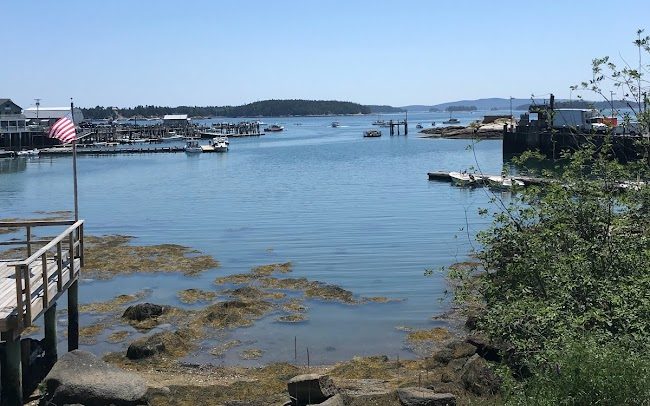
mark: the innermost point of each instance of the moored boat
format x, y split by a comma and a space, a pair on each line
451, 121
335, 124
28, 152
220, 144
193, 147
274, 128
503, 182
372, 133
463, 178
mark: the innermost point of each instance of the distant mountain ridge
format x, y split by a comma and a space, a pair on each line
480, 104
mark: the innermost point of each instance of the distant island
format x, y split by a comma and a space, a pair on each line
265, 108
384, 109
460, 108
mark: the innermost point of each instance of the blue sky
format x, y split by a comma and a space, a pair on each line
124, 53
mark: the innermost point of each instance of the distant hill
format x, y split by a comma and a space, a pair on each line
384, 109
480, 104
265, 108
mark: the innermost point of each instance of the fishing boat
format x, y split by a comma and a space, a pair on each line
335, 124
192, 147
28, 152
463, 178
451, 121
372, 133
503, 182
379, 123
274, 128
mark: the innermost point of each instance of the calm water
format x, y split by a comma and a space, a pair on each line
345, 210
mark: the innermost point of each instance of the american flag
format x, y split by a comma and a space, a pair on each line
63, 129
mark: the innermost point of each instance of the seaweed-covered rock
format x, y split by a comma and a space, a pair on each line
424, 397
310, 389
143, 311
461, 349
81, 378
478, 377
175, 343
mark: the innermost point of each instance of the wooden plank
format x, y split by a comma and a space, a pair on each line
35, 223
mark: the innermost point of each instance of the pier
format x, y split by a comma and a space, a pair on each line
30, 286
397, 125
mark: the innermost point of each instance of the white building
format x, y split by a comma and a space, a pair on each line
48, 115
176, 120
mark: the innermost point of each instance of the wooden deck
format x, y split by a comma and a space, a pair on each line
30, 287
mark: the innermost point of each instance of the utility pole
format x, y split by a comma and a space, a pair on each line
510, 107
611, 101
38, 103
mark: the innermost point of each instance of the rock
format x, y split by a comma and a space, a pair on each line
310, 389
81, 378
143, 311
443, 356
424, 397
336, 400
478, 378
146, 347
461, 349
485, 348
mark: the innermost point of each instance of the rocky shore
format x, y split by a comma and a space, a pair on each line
493, 130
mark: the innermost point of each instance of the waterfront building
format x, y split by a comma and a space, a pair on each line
176, 120
13, 128
46, 116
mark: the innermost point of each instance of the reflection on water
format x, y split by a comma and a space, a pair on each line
345, 210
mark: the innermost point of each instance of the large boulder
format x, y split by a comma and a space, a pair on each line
310, 389
146, 347
478, 377
81, 378
143, 311
424, 397
336, 400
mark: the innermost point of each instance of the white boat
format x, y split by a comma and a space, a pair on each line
451, 121
418, 126
220, 144
503, 182
171, 137
274, 128
379, 123
29, 152
463, 178
192, 147
372, 133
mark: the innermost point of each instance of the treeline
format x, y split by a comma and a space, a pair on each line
384, 109
264, 108
460, 108
586, 104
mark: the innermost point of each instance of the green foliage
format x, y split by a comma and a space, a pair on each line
266, 108
588, 373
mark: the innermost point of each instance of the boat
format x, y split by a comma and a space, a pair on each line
171, 137
418, 126
379, 123
274, 128
503, 182
335, 124
193, 147
220, 144
372, 133
433, 123
28, 152
463, 178
451, 121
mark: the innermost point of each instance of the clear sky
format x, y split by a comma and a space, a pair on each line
125, 52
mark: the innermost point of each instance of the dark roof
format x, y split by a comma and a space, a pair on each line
4, 100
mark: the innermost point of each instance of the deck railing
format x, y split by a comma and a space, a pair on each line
64, 249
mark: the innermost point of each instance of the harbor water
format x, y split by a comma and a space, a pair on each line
346, 210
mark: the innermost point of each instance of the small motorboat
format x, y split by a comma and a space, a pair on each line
28, 152
463, 178
171, 137
372, 133
335, 124
433, 123
503, 182
451, 121
193, 147
418, 126
274, 128
380, 123
220, 144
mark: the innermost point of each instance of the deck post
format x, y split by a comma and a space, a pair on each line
12, 370
73, 314
50, 335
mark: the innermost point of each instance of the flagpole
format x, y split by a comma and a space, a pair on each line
74, 165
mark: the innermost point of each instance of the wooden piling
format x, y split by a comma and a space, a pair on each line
50, 335
12, 393
73, 316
